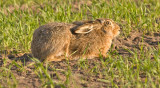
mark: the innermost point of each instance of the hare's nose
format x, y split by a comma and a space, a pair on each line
121, 28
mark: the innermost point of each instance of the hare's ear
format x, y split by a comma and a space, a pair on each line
100, 20
84, 29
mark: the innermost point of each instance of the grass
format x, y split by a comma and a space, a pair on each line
19, 19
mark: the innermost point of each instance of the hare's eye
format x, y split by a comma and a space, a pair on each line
107, 23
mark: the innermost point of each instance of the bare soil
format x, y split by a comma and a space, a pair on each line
79, 77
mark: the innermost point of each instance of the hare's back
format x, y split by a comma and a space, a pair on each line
51, 32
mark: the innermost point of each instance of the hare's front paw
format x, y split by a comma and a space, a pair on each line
105, 55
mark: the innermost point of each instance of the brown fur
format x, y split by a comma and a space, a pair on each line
55, 41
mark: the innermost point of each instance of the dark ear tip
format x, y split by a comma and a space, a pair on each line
77, 23
74, 29
100, 20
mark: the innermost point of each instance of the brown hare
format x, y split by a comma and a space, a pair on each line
57, 41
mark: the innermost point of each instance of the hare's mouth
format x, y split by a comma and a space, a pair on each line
117, 34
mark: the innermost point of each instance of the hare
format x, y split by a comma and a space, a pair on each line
89, 39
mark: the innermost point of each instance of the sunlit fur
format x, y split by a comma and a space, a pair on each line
56, 41
94, 43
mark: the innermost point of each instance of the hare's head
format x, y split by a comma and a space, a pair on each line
107, 26
110, 26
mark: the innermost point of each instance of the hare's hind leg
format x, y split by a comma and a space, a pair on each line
55, 58
62, 54
52, 58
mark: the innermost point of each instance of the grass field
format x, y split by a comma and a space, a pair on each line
19, 19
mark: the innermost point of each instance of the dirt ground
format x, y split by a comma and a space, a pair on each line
120, 44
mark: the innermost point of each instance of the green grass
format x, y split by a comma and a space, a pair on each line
17, 27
